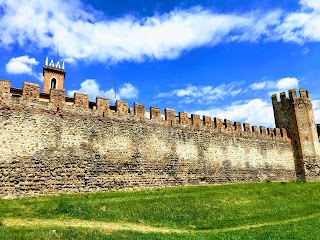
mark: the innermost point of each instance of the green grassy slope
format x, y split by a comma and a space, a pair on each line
239, 211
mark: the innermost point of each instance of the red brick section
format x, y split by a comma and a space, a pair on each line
81, 100
31, 91
52, 72
139, 110
155, 113
122, 107
102, 106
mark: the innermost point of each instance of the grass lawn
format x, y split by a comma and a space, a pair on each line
237, 211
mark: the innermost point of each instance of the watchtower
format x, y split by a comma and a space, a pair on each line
54, 75
296, 116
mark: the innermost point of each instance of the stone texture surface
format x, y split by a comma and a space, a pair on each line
31, 91
81, 100
295, 114
48, 148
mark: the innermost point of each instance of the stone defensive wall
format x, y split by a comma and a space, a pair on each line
53, 144
295, 114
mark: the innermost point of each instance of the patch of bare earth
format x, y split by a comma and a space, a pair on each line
103, 226
109, 227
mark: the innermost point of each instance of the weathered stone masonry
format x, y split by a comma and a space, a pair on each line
49, 145
296, 116
54, 144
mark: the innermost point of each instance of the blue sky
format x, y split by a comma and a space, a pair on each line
223, 58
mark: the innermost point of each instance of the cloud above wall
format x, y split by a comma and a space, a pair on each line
92, 88
202, 94
282, 84
316, 110
23, 65
206, 95
255, 111
84, 33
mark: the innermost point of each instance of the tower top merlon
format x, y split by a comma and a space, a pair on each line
292, 94
53, 65
274, 98
282, 96
304, 93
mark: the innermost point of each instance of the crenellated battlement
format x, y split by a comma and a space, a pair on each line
52, 143
292, 95
57, 101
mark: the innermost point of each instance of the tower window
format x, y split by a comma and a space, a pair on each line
53, 83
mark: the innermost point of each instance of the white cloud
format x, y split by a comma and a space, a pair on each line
84, 33
316, 110
287, 83
92, 88
263, 85
282, 84
202, 94
301, 26
313, 4
127, 90
23, 65
255, 111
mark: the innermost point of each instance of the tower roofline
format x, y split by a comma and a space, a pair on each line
53, 69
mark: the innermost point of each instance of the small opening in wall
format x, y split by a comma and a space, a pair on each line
53, 83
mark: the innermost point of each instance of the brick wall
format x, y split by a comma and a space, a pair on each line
79, 150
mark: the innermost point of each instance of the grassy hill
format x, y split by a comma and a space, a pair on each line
237, 211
